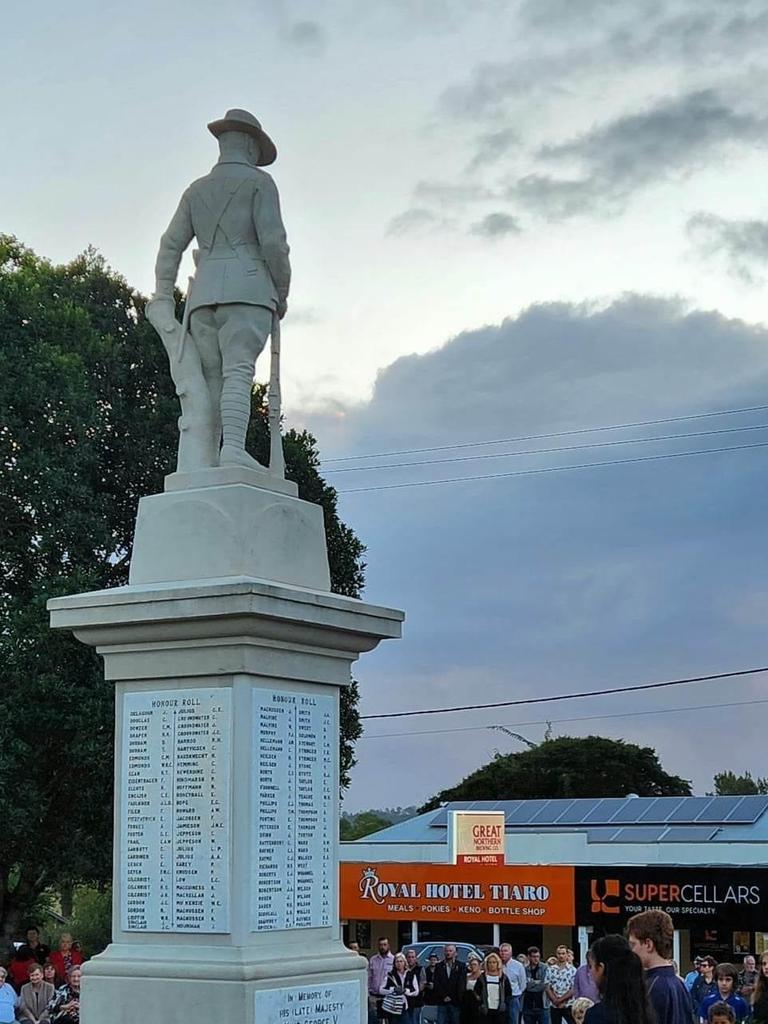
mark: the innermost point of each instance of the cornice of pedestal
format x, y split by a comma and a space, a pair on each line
231, 625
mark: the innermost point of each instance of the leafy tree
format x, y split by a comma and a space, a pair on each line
729, 784
355, 826
568, 767
87, 426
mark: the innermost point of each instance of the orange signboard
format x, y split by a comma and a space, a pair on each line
470, 892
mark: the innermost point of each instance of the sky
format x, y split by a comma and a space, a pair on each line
506, 219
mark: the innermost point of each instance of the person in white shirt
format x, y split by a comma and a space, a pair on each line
515, 972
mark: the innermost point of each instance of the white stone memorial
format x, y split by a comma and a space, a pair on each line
228, 653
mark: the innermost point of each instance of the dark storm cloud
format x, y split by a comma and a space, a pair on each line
743, 243
565, 580
670, 138
496, 225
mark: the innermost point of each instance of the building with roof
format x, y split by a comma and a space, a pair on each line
572, 869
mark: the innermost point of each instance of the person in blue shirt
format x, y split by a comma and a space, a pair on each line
8, 999
727, 977
691, 976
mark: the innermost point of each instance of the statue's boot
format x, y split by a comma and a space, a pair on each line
232, 456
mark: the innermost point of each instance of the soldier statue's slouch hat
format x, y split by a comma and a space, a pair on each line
242, 121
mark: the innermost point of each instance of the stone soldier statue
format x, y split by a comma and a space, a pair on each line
239, 291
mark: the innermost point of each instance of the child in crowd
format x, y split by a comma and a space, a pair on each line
579, 1008
727, 979
721, 1013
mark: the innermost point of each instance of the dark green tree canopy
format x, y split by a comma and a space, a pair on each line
87, 426
568, 767
730, 784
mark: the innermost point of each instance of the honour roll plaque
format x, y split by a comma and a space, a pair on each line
293, 770
175, 811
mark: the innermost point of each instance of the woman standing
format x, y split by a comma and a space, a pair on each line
469, 1008
760, 995
399, 982
618, 973
493, 991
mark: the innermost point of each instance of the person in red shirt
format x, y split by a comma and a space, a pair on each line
65, 957
18, 969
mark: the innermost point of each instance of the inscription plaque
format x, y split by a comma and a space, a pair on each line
337, 1002
175, 810
292, 784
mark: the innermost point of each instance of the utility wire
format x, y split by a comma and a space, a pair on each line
540, 437
553, 469
571, 696
549, 451
561, 721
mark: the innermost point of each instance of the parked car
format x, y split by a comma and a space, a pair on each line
425, 949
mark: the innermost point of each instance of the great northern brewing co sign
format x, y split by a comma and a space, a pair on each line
476, 837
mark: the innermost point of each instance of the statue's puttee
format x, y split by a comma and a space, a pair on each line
235, 300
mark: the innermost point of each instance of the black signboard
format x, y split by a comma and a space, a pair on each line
734, 898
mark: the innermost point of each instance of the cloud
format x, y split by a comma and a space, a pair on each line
416, 220
672, 137
496, 225
565, 580
308, 36
743, 243
458, 193
492, 146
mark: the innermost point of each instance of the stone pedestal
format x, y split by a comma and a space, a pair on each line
226, 783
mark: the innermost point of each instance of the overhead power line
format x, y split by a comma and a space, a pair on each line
541, 437
665, 684
561, 721
554, 469
550, 451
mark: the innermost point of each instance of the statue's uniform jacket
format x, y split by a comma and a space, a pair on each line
234, 212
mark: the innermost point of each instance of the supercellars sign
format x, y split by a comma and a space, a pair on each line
737, 896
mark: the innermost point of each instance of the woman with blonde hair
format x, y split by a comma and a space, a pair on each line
493, 991
397, 986
469, 1008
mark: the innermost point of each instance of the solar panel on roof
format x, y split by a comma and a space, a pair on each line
527, 810
659, 810
689, 808
688, 834
576, 813
550, 813
441, 818
748, 810
718, 808
629, 813
648, 834
603, 810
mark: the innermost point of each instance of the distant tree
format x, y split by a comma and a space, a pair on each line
730, 784
355, 826
592, 766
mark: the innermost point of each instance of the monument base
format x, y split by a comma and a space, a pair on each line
226, 800
231, 521
166, 984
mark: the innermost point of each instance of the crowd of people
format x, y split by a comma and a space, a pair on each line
39, 986
625, 980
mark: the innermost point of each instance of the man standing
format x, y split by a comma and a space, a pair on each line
534, 1009
515, 972
560, 986
692, 975
379, 966
430, 1008
34, 948
241, 281
748, 978
651, 937
450, 982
